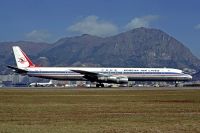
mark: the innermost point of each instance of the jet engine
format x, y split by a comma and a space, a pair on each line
113, 79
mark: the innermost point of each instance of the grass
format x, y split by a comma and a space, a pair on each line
99, 111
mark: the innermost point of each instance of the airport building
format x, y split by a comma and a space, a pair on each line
9, 80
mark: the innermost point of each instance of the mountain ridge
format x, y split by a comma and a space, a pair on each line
141, 47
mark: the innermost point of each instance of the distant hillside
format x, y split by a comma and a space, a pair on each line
141, 47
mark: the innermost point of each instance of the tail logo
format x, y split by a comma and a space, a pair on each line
22, 60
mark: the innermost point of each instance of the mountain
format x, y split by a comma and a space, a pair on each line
196, 76
141, 47
144, 47
72, 51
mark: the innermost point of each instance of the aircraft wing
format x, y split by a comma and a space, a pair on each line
101, 77
88, 73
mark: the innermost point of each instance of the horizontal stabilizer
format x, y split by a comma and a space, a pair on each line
17, 70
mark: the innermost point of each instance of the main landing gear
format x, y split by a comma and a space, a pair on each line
177, 84
99, 85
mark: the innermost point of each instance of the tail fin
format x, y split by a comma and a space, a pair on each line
21, 58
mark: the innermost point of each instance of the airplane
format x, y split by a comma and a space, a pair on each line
99, 75
48, 84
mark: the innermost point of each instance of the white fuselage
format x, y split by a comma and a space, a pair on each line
100, 75
133, 74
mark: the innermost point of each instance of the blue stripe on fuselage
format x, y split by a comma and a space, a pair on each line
71, 72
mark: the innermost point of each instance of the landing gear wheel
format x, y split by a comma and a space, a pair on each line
99, 85
176, 84
102, 85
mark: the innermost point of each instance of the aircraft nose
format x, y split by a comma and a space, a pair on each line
188, 76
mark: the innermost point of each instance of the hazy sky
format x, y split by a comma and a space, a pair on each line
49, 20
